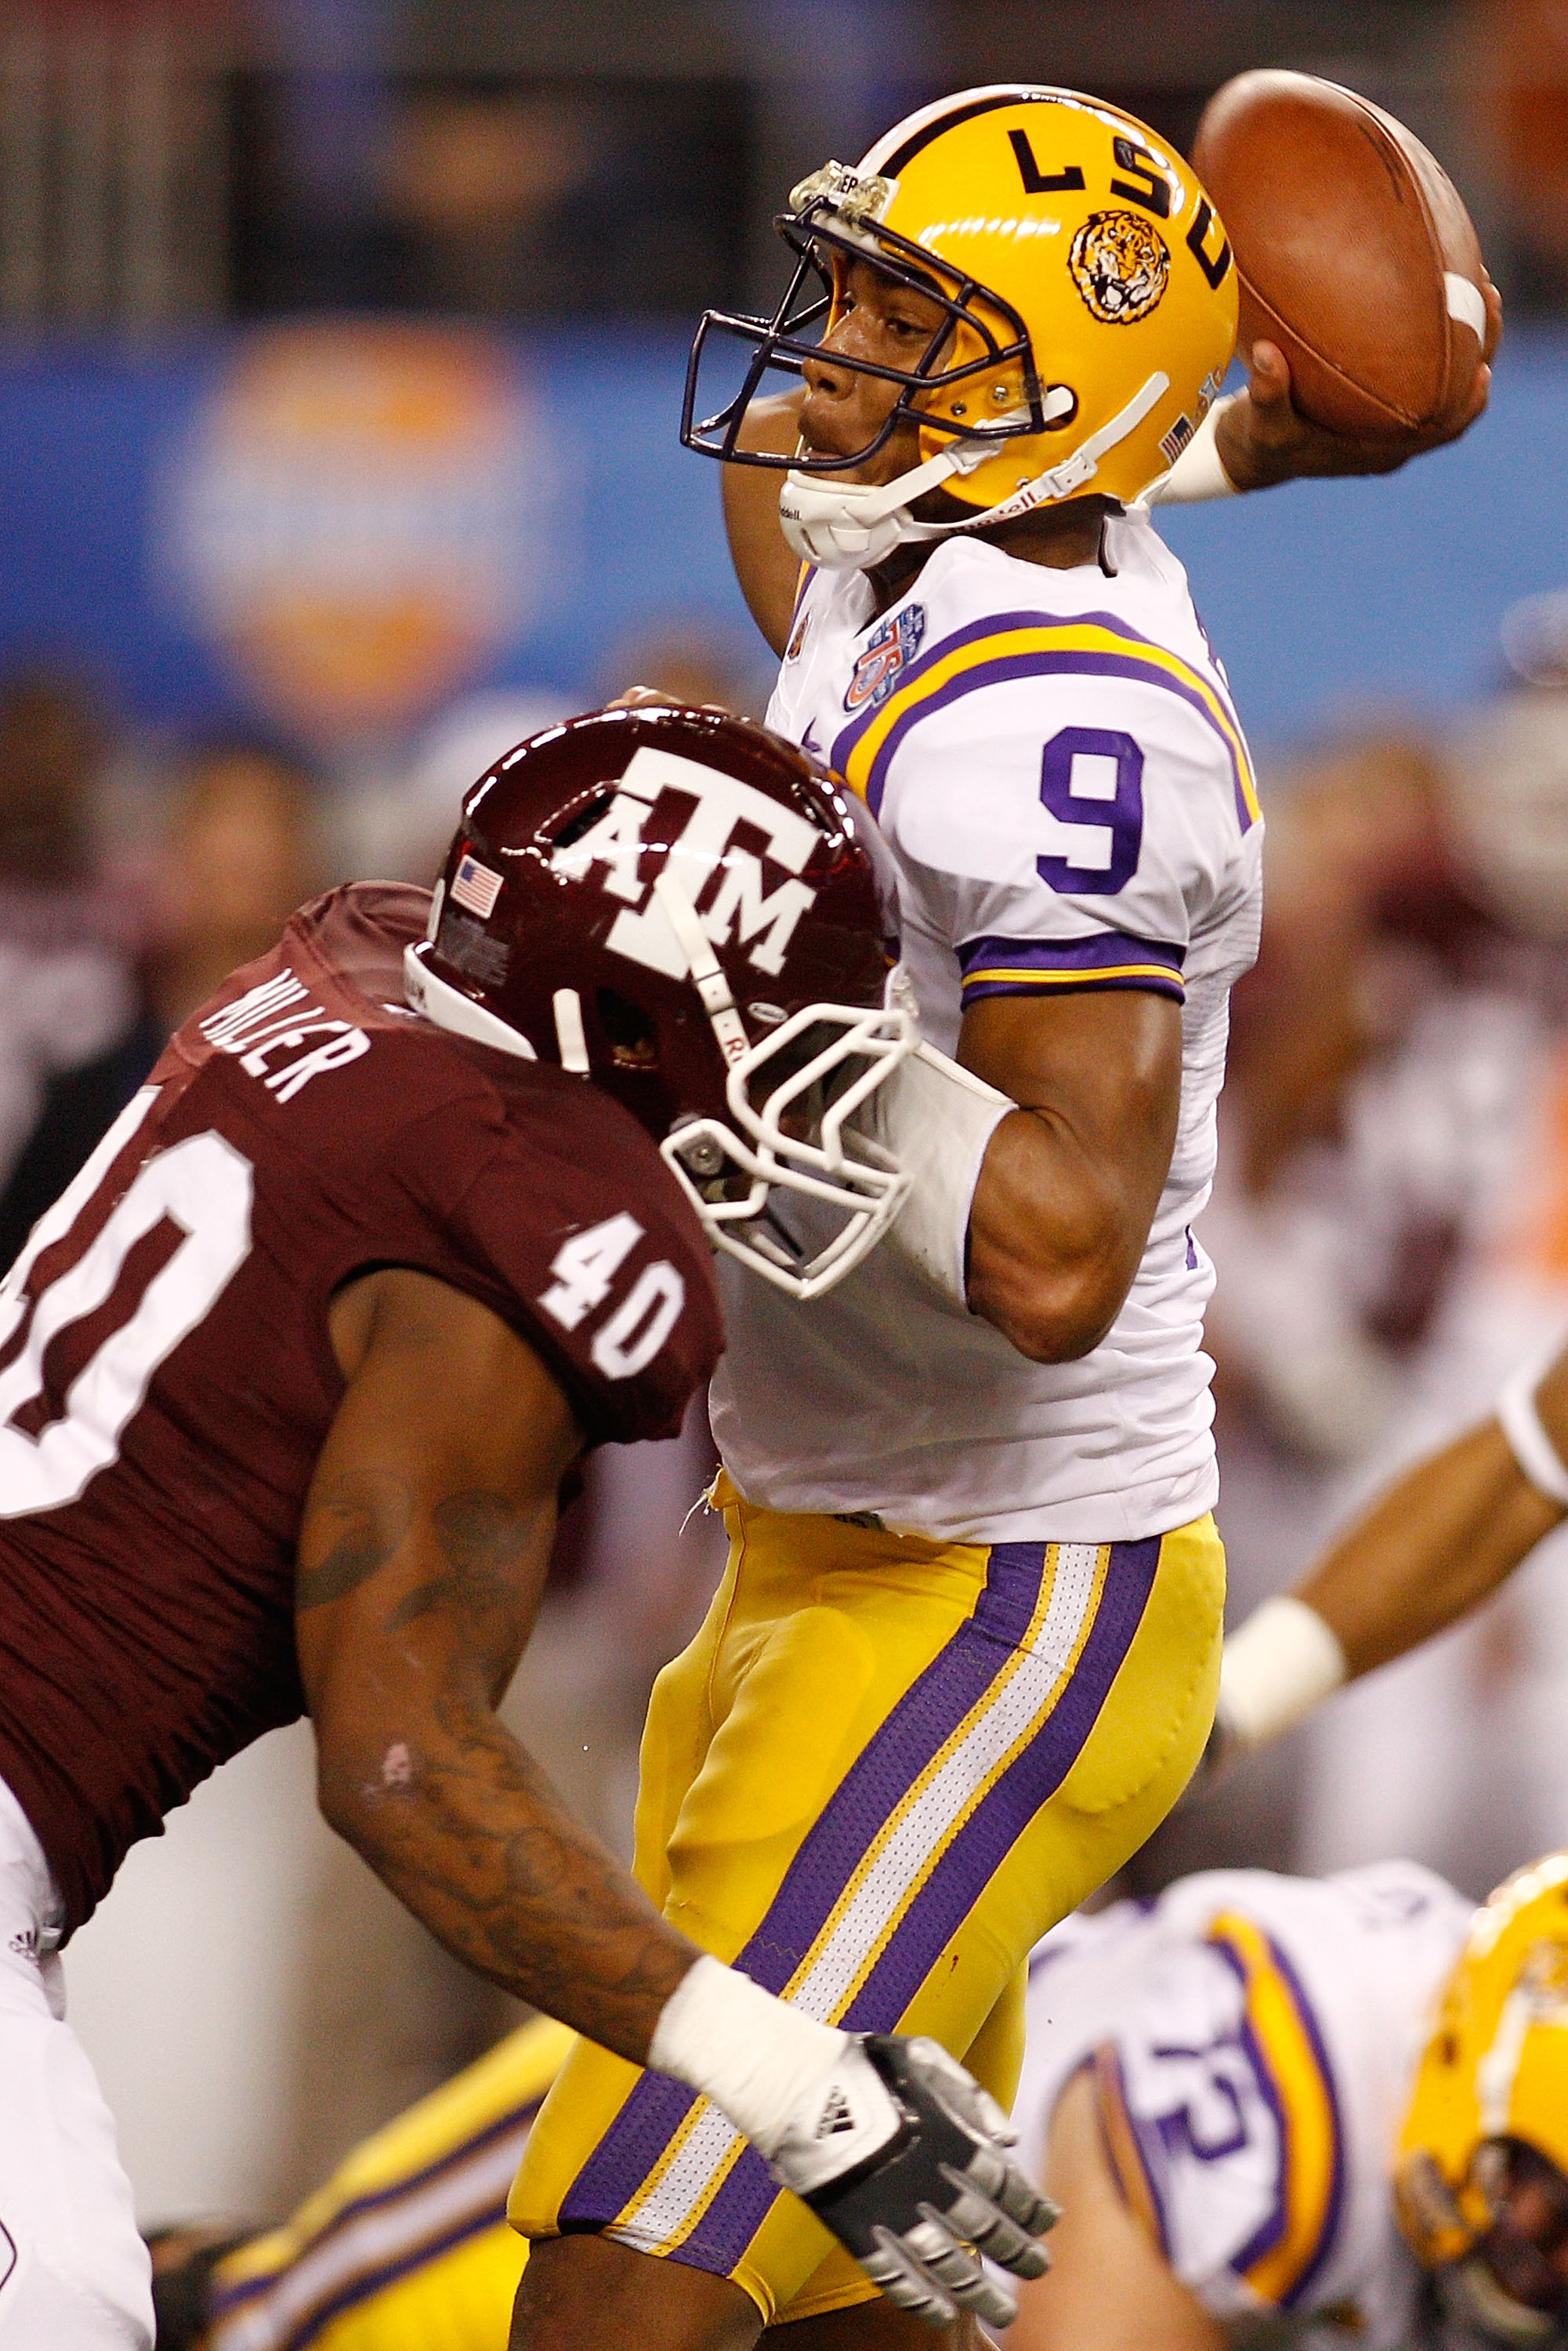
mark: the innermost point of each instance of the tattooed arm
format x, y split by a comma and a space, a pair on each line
423, 1549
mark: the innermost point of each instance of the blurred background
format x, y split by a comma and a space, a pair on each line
340, 353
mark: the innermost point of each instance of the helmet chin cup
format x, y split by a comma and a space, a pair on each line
847, 1176
854, 525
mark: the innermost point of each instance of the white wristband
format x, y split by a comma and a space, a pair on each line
936, 1119
753, 2055
1198, 473
1280, 1664
1521, 1424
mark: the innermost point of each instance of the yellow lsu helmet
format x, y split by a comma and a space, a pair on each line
1494, 2072
1089, 300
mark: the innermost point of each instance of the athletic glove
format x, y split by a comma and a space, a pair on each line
902, 2156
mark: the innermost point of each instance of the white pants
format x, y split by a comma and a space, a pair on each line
74, 2274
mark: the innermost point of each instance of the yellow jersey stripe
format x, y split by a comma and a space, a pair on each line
1292, 2069
1086, 975
1095, 646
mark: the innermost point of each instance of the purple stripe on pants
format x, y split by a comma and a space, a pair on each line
924, 1719
956, 1679
959, 1878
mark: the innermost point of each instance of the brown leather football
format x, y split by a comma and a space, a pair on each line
1353, 250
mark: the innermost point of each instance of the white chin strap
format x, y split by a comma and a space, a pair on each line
851, 525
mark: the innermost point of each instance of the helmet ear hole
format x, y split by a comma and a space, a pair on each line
634, 1040
581, 818
1059, 417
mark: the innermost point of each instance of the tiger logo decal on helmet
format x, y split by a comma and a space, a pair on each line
1087, 300
1121, 266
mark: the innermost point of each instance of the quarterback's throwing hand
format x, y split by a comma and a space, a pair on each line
903, 2156
1263, 438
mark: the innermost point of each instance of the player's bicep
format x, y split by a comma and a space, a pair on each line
1110, 1064
427, 1528
1110, 2287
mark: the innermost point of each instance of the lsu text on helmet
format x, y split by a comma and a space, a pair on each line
688, 911
1488, 2113
1089, 303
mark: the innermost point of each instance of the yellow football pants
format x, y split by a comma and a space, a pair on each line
881, 1770
405, 2248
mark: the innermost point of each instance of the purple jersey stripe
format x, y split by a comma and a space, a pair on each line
959, 1878
978, 955
1145, 2138
1007, 667
1336, 2187
1273, 2228
1107, 959
1087, 983
1001, 624
1265, 2238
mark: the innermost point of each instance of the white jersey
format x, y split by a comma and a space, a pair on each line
1253, 2040
1055, 762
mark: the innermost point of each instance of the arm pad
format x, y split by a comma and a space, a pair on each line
936, 1119
1282, 1662
1520, 1421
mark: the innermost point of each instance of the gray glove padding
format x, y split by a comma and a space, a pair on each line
903, 2156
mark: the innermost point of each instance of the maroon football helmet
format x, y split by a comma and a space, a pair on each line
689, 912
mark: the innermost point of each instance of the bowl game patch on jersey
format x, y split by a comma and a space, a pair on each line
890, 649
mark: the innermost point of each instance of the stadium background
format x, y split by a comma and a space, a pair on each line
340, 353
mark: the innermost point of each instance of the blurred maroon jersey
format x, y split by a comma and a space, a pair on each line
166, 1376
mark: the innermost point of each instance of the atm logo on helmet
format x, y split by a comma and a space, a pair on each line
742, 909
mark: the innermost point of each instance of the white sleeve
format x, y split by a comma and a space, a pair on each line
1075, 828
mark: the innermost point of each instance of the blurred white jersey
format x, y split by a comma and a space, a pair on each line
1054, 759
1253, 2039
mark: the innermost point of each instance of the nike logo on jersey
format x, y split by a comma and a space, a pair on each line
742, 908
268, 1019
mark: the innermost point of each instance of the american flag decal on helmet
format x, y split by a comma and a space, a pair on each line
476, 886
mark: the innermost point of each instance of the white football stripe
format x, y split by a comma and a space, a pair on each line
1466, 303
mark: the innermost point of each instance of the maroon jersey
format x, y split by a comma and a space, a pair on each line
166, 1375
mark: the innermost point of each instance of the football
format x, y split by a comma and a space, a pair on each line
1354, 253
